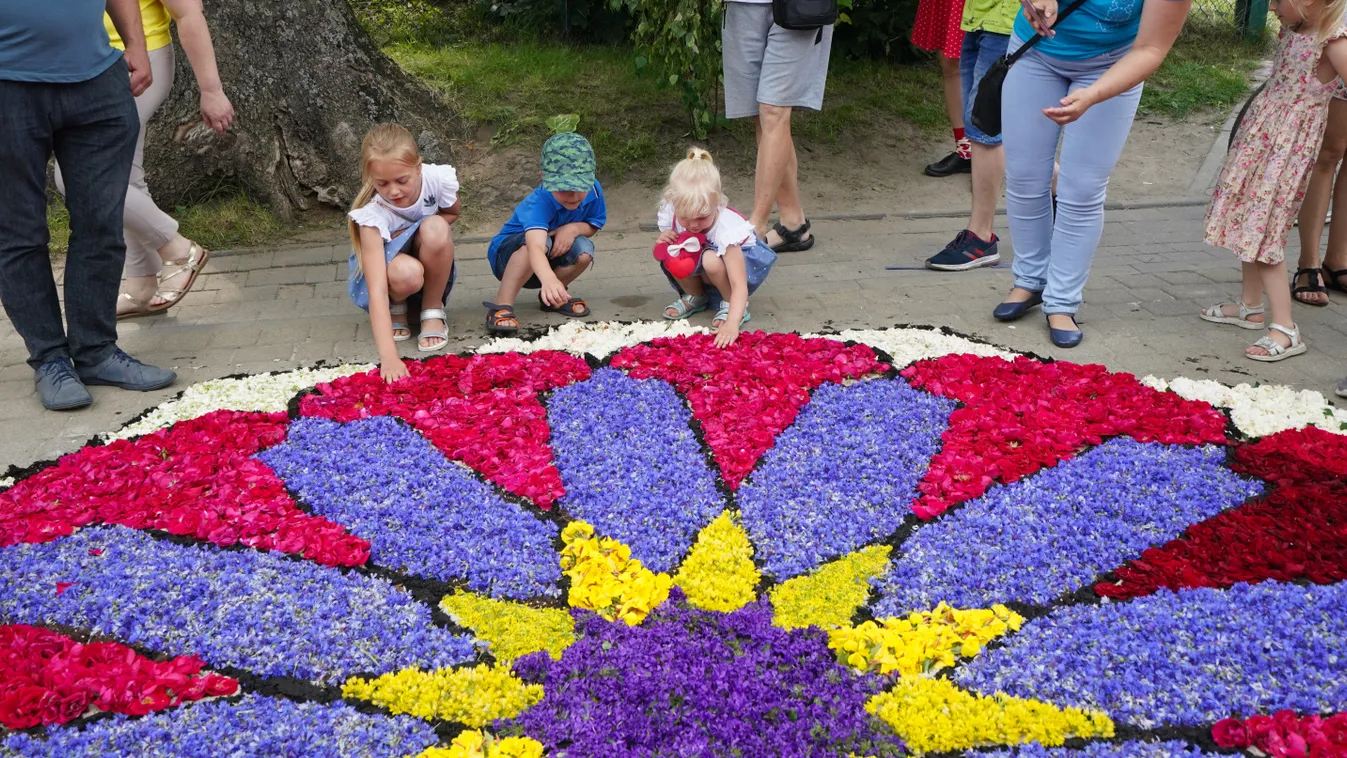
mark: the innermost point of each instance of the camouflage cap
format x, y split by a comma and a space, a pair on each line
568, 163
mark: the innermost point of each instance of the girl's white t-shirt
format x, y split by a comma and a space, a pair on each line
439, 189
730, 228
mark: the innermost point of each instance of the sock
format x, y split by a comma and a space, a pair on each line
962, 146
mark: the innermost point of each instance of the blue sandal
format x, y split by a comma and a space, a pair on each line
723, 315
686, 306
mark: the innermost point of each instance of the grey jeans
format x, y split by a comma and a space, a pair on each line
91, 128
147, 227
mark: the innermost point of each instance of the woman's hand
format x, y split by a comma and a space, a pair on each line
1041, 14
1073, 106
216, 111
392, 369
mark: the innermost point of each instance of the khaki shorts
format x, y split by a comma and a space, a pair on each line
768, 65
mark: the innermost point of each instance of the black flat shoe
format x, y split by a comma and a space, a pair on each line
1016, 311
1066, 338
949, 166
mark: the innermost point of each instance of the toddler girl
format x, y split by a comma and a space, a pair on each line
400, 233
734, 263
1263, 181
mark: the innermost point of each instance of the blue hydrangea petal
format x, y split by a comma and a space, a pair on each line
1188, 658
632, 466
261, 612
843, 475
254, 725
421, 513
1046, 535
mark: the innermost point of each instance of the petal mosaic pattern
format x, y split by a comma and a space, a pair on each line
375, 551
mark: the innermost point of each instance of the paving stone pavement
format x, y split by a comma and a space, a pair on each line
281, 309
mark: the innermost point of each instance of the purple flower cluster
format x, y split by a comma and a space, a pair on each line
632, 466
254, 725
421, 513
1185, 658
261, 612
843, 475
1172, 749
689, 682
1033, 540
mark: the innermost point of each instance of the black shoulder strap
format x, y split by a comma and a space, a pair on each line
1034, 40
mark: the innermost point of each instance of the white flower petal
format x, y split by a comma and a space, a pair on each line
1263, 410
907, 346
599, 339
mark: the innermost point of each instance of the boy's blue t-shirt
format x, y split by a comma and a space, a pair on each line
1097, 27
542, 211
62, 43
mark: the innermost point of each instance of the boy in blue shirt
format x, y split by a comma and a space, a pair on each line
546, 244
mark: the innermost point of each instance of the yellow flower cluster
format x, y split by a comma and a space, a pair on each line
475, 744
934, 715
512, 629
718, 574
475, 696
922, 643
828, 597
606, 579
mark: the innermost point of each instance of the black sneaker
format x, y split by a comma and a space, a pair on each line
967, 251
949, 166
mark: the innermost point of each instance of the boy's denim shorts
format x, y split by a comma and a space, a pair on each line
980, 51
515, 243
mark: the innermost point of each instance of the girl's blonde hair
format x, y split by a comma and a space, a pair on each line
694, 185
1330, 20
385, 142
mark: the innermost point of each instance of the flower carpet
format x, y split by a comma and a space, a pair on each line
619, 540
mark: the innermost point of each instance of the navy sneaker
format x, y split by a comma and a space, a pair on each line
967, 251
59, 387
121, 370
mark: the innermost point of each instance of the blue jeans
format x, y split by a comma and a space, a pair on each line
92, 128
357, 287
980, 50
1055, 258
515, 243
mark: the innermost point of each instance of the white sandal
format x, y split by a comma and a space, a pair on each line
1216, 315
1276, 351
191, 266
400, 309
442, 335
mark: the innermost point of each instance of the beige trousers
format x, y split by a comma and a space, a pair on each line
145, 226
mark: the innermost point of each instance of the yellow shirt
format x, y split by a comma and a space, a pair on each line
154, 17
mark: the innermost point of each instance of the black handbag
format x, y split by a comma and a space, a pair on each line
805, 15
986, 115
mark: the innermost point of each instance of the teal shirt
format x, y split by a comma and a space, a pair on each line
59, 42
1097, 27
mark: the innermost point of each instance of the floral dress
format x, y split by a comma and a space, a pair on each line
1267, 170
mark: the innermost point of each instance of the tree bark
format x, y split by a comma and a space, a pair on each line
307, 82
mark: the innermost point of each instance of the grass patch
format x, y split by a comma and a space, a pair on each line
1209, 67
217, 224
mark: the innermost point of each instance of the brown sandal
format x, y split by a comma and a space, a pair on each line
191, 265
497, 317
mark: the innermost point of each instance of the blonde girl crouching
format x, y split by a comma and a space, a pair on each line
733, 260
402, 243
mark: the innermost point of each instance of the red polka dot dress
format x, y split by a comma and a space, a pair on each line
937, 26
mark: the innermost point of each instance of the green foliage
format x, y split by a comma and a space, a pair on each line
563, 124
589, 20
678, 41
876, 29
393, 21
226, 219
1206, 69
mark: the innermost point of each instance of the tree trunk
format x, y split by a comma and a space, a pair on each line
306, 83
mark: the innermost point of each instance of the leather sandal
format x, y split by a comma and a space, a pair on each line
1312, 284
1276, 351
793, 240
191, 266
1333, 278
574, 307
142, 307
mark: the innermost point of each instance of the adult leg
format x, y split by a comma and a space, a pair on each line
980, 51
95, 142
1091, 147
776, 160
1317, 198
1030, 144
953, 85
1335, 257
27, 286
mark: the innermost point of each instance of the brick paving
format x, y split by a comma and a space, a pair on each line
280, 309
